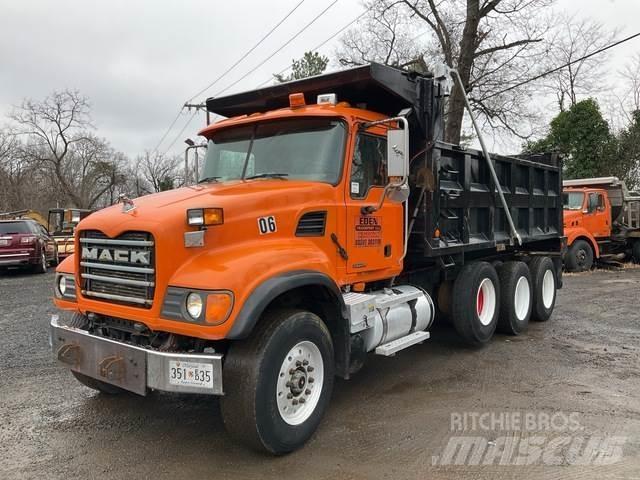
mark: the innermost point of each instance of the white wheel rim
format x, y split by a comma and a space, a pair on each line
522, 298
486, 301
548, 289
300, 381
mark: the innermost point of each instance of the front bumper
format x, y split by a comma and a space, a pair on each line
129, 367
17, 259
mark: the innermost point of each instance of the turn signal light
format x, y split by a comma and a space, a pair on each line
296, 100
200, 217
219, 305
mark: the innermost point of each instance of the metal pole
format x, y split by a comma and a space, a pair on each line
186, 166
514, 232
197, 166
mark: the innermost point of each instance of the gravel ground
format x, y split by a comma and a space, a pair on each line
397, 418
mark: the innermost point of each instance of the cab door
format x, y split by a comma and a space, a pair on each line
374, 240
597, 218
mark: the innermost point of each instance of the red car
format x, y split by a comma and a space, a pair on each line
26, 243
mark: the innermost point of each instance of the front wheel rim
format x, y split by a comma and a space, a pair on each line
486, 301
548, 289
299, 384
522, 298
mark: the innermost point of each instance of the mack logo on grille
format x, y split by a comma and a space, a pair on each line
116, 255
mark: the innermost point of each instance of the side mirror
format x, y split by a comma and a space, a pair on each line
397, 153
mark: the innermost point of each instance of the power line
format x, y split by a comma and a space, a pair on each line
317, 47
279, 49
175, 139
246, 54
568, 64
155, 149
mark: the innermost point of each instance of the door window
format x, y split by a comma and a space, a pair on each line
369, 167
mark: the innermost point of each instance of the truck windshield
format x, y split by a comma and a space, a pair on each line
572, 200
302, 149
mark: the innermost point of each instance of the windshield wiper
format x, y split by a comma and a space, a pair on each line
267, 175
209, 179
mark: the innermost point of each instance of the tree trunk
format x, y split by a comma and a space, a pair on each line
468, 47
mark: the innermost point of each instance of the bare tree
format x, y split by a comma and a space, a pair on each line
492, 43
384, 36
157, 172
573, 39
55, 137
631, 79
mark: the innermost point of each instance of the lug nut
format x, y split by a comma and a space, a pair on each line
294, 402
302, 400
305, 362
298, 363
311, 380
288, 384
292, 371
289, 396
309, 368
307, 392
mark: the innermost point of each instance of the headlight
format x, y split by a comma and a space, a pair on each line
200, 217
65, 287
194, 305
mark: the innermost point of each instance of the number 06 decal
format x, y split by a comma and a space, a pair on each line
267, 225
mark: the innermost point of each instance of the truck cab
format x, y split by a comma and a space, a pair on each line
601, 222
587, 220
327, 222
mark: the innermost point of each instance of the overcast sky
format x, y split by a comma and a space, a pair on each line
139, 60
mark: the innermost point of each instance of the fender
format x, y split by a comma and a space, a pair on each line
270, 289
256, 272
575, 233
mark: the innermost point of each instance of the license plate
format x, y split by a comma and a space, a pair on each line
4, 242
191, 374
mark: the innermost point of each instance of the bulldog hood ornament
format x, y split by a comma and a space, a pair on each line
127, 203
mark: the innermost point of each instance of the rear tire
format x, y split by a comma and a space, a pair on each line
516, 297
476, 294
544, 281
579, 257
41, 267
278, 382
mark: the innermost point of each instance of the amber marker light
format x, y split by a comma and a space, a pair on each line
219, 305
201, 217
296, 100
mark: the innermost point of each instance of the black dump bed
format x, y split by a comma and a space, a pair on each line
454, 204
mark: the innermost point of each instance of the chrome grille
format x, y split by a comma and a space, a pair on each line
116, 269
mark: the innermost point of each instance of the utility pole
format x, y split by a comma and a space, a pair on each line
201, 107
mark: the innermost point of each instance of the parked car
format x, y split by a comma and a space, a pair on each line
26, 243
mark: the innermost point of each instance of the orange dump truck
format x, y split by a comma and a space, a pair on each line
601, 221
329, 222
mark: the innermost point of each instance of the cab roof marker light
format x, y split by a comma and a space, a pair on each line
327, 98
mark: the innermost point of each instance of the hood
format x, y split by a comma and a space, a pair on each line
571, 218
168, 209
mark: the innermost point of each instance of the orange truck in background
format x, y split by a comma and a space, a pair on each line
601, 221
329, 223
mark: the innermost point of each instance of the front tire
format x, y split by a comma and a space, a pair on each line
580, 256
278, 382
476, 295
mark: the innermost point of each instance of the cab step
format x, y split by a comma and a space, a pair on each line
390, 349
